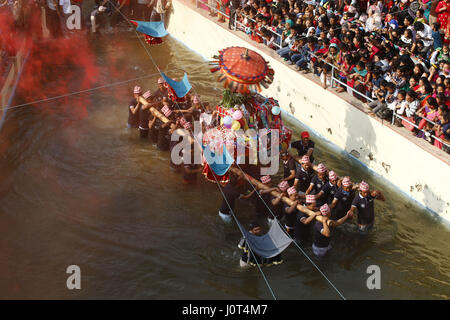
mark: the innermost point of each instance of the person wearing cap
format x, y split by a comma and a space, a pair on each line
190, 168
321, 230
161, 92
304, 146
163, 141
303, 175
297, 222
133, 109
364, 202
144, 115
291, 211
248, 258
277, 203
230, 194
329, 190
343, 198
289, 167
318, 181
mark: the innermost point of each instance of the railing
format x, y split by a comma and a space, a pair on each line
334, 68
237, 23
395, 115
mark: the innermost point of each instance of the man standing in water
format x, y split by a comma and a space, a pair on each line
343, 198
364, 202
322, 233
329, 190
144, 115
161, 92
305, 147
133, 114
248, 258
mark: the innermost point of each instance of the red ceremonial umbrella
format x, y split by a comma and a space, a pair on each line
242, 69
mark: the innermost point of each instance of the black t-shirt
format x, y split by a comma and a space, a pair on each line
329, 192
302, 150
144, 116
317, 184
289, 218
160, 94
366, 212
304, 178
318, 238
301, 230
262, 204
133, 119
231, 194
345, 200
163, 138
287, 167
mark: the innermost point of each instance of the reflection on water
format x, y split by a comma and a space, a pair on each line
89, 192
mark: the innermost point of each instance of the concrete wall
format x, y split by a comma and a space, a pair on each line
420, 174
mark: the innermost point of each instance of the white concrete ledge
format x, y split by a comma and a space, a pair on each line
418, 169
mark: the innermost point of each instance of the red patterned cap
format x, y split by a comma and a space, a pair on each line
166, 111
147, 94
305, 159
137, 89
346, 182
291, 191
325, 209
284, 185
364, 186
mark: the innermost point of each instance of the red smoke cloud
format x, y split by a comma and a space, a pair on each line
55, 67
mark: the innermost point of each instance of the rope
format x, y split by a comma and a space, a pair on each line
153, 61
296, 244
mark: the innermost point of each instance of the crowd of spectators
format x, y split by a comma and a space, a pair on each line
394, 52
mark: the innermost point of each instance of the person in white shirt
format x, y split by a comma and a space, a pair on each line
410, 105
426, 34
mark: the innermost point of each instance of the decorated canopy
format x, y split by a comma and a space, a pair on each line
177, 90
153, 31
242, 69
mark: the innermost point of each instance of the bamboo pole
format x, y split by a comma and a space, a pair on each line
260, 185
161, 117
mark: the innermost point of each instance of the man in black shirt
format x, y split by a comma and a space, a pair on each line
231, 194
289, 167
163, 132
317, 182
133, 108
144, 115
303, 176
248, 257
304, 146
364, 202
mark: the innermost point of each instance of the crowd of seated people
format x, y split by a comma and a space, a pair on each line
392, 55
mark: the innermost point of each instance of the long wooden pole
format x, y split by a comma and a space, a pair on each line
260, 185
